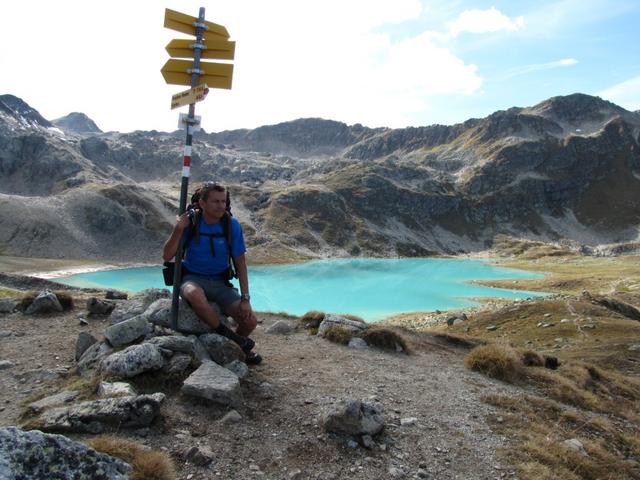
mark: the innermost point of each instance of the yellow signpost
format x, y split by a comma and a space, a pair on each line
216, 49
211, 41
193, 95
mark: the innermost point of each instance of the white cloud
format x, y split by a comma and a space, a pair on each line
626, 94
484, 21
565, 62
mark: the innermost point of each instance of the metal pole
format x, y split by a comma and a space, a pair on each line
186, 165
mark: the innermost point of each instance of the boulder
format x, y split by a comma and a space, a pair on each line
215, 383
221, 349
177, 364
355, 418
127, 331
137, 305
116, 389
97, 306
40, 455
84, 341
66, 396
8, 305
352, 326
175, 343
133, 361
239, 369
116, 295
45, 302
281, 327
98, 416
92, 357
159, 313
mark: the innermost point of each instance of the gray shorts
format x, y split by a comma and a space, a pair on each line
215, 289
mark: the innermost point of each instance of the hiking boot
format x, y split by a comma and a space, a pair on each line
253, 358
247, 345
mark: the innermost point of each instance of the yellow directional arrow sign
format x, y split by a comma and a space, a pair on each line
215, 75
193, 95
216, 49
185, 24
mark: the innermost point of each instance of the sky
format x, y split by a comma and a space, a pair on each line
380, 63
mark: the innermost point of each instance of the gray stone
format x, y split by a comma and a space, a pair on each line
133, 361
84, 341
239, 368
37, 455
575, 445
634, 347
97, 306
116, 295
116, 389
42, 374
138, 304
99, 415
45, 302
4, 364
358, 343
159, 313
201, 455
92, 358
127, 331
5, 333
353, 417
213, 382
232, 416
177, 364
199, 350
352, 326
66, 396
8, 305
221, 349
491, 328
175, 343
408, 422
281, 327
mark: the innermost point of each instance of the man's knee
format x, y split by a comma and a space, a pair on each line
192, 292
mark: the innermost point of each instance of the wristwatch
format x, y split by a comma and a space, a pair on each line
245, 296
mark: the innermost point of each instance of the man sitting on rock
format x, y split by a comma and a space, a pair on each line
207, 265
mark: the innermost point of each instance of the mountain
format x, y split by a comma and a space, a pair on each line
77, 122
566, 169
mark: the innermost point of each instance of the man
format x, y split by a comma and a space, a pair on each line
206, 264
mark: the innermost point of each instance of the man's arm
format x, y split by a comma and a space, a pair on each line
171, 245
243, 276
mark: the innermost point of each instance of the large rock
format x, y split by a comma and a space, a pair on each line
45, 302
159, 313
137, 305
175, 343
92, 358
66, 396
8, 305
352, 326
101, 415
133, 361
221, 349
84, 341
215, 383
127, 331
353, 417
98, 306
37, 455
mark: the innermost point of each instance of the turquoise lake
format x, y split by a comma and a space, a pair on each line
371, 288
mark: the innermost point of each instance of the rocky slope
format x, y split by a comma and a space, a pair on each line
567, 168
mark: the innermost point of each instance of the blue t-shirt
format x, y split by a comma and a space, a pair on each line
199, 257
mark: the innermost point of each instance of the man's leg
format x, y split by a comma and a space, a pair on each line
245, 325
196, 297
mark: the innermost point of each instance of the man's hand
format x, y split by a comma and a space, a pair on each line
245, 309
182, 221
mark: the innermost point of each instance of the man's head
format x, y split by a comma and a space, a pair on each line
213, 201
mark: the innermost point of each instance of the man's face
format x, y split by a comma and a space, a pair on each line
215, 204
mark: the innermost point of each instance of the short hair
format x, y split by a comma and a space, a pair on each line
205, 188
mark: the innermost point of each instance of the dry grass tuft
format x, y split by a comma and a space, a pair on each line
312, 319
387, 339
338, 334
145, 464
353, 318
497, 361
65, 299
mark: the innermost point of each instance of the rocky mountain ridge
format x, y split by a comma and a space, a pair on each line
564, 169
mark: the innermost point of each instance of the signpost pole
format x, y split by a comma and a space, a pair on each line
186, 165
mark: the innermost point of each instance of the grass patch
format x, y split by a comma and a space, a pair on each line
387, 339
496, 361
312, 319
338, 334
145, 464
